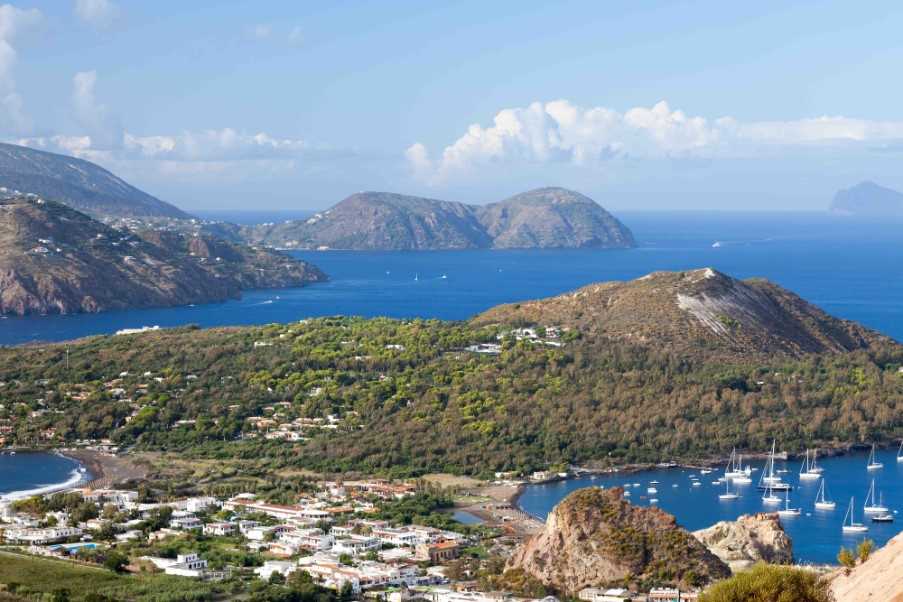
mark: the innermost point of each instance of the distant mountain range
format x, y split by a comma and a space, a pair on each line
701, 310
54, 259
80, 184
868, 199
542, 218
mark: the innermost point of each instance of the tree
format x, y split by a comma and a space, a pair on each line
115, 561
277, 578
770, 583
864, 550
345, 559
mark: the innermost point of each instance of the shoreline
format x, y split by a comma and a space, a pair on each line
80, 475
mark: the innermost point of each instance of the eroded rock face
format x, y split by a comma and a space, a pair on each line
747, 540
595, 538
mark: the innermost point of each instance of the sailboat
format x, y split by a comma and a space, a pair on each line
872, 504
813, 467
852, 526
735, 469
806, 472
769, 480
728, 494
770, 497
787, 510
873, 464
900, 453
820, 502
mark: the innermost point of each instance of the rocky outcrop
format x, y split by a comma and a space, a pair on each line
543, 218
55, 260
878, 578
699, 311
747, 540
595, 538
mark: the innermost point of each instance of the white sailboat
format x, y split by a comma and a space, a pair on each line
728, 494
873, 464
787, 510
813, 466
872, 504
770, 497
900, 453
820, 502
806, 472
852, 526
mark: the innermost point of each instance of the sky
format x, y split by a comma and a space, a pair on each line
293, 105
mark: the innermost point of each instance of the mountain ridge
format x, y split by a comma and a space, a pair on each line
868, 199
80, 184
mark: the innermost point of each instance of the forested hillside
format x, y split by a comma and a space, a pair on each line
406, 397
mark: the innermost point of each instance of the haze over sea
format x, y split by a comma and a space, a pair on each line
851, 268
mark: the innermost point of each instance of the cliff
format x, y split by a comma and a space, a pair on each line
544, 218
595, 538
54, 259
747, 540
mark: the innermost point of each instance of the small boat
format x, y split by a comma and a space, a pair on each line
770, 497
705, 471
653, 500
900, 453
820, 502
443, 277
873, 464
674, 485
852, 526
716, 244
887, 517
806, 472
787, 510
742, 480
651, 490
697, 484
873, 504
813, 466
728, 494
636, 484
653, 482
626, 494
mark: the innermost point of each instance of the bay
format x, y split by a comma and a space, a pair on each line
853, 269
816, 534
31, 473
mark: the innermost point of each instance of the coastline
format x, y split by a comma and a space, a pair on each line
80, 475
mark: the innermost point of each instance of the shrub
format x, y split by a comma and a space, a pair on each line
769, 583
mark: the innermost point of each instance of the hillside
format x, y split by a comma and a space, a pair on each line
868, 199
878, 578
406, 397
551, 218
54, 259
79, 184
701, 310
544, 218
595, 538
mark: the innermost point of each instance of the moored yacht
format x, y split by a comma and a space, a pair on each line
874, 504
851, 526
787, 511
806, 472
821, 503
873, 463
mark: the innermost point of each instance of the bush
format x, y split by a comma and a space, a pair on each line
768, 583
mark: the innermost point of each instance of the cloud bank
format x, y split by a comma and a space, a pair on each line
14, 22
559, 131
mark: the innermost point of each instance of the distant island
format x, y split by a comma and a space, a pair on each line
868, 199
542, 218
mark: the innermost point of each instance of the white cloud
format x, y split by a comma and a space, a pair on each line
260, 31
564, 132
13, 22
98, 13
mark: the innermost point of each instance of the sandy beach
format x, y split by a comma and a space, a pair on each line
106, 470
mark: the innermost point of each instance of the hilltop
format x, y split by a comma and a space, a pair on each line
542, 218
595, 538
868, 199
701, 310
54, 259
79, 184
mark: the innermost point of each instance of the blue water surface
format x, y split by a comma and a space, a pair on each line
816, 534
850, 268
37, 472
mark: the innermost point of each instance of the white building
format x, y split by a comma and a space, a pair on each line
37, 537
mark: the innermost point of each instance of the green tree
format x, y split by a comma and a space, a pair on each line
115, 561
864, 550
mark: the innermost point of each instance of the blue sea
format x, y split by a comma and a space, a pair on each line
816, 534
32, 473
853, 269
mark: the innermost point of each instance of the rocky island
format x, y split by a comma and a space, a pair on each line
868, 199
542, 218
